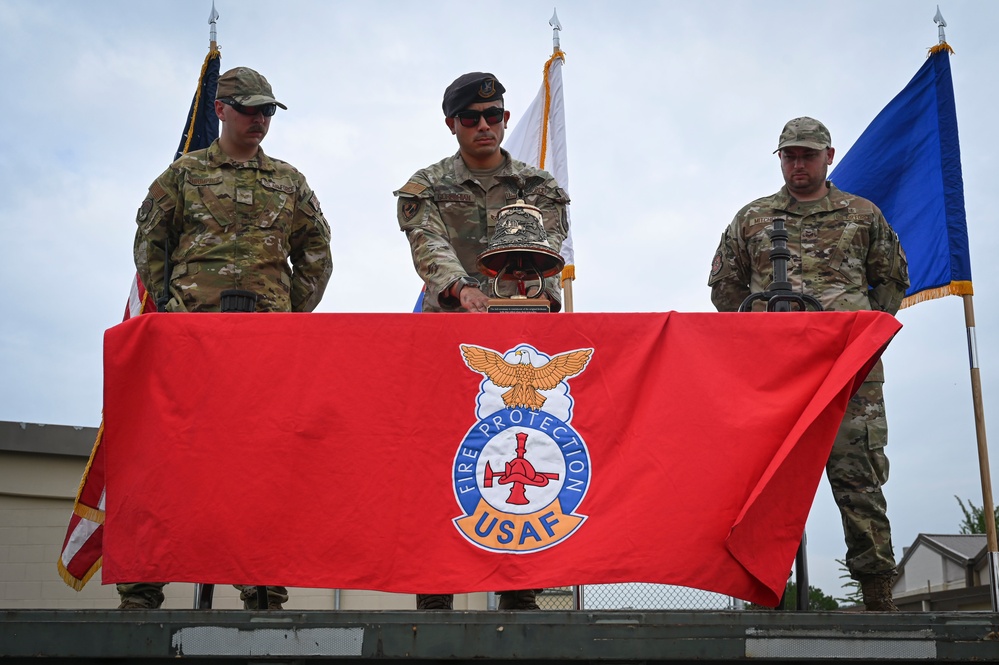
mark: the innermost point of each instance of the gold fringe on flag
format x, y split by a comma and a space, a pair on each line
78, 584
942, 46
89, 512
569, 271
952, 289
213, 53
560, 54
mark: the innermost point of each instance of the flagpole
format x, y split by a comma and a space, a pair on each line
566, 279
983, 451
212, 20
988, 511
203, 592
82, 553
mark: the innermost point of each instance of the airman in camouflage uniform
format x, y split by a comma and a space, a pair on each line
845, 254
234, 218
235, 221
448, 212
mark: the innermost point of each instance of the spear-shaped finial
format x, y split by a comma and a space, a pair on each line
212, 18
941, 24
556, 26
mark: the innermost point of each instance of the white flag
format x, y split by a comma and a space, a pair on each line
539, 140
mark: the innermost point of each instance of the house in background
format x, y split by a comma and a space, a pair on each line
944, 573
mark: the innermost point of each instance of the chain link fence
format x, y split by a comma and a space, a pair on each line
635, 597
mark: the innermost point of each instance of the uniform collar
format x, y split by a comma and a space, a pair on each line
218, 158
462, 173
833, 200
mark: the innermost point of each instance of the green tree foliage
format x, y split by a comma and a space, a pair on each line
854, 595
974, 517
817, 600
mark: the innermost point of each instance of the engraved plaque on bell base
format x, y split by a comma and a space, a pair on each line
519, 305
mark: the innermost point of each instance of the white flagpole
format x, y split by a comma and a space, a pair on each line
567, 249
988, 510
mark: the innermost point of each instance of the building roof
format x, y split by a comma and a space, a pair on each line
47, 439
963, 549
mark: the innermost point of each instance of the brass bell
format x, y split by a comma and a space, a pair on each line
519, 246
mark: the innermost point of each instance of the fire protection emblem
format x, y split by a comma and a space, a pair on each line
522, 471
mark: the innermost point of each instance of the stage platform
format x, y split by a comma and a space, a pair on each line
620, 636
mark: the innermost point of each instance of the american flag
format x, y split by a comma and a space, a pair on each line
82, 551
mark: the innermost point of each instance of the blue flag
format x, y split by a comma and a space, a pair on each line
202, 124
418, 307
908, 162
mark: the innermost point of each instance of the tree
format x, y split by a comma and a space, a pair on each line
854, 595
974, 517
817, 600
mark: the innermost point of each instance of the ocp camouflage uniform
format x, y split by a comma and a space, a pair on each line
149, 595
845, 254
253, 225
449, 214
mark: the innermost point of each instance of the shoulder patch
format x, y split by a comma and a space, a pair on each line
157, 192
409, 208
144, 209
412, 188
716, 263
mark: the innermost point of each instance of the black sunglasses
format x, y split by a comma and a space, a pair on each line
493, 115
267, 109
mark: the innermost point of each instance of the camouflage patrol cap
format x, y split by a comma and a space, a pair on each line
469, 89
806, 133
247, 87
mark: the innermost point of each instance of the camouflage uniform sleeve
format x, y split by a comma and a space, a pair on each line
730, 271
552, 200
158, 222
311, 260
434, 257
887, 268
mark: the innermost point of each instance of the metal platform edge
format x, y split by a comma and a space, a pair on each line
619, 636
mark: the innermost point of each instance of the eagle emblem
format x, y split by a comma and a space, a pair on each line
524, 380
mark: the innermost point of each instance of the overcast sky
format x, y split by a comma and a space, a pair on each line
673, 110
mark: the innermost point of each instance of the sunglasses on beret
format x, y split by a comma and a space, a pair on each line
493, 116
267, 109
